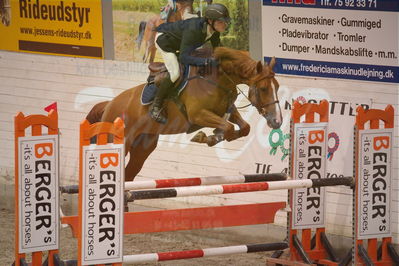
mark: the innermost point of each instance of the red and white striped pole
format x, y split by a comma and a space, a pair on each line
193, 181
200, 253
236, 188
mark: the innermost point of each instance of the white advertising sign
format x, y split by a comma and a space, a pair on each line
38, 193
310, 154
374, 184
348, 39
103, 204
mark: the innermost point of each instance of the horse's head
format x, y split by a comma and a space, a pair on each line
263, 89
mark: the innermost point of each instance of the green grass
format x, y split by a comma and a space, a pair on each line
138, 5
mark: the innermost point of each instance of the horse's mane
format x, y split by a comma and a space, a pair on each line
235, 61
232, 61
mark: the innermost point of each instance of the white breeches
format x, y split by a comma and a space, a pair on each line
187, 14
170, 60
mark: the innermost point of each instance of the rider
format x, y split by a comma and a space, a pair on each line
175, 42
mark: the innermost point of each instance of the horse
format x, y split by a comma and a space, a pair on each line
206, 100
147, 33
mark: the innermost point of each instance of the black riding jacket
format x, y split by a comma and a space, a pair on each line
184, 36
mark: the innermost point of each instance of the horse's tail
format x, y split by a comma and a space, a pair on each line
140, 36
96, 112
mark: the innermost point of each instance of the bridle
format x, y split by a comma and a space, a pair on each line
258, 98
257, 93
260, 108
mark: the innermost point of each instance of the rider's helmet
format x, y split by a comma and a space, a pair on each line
217, 12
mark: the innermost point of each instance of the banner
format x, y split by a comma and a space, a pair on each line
346, 39
103, 205
64, 27
310, 156
38, 191
375, 183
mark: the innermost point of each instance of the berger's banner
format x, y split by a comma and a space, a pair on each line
310, 148
374, 185
38, 192
65, 27
103, 205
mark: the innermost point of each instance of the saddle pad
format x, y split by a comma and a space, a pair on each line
150, 89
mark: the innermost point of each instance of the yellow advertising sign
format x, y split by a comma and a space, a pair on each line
66, 27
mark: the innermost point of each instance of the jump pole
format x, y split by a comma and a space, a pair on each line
235, 188
200, 253
192, 181
150, 221
37, 176
373, 171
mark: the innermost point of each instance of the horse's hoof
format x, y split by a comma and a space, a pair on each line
212, 141
200, 137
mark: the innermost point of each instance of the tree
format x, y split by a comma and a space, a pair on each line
238, 35
240, 25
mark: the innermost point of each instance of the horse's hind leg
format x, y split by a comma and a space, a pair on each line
139, 151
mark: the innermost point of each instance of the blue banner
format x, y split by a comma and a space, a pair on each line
336, 70
372, 5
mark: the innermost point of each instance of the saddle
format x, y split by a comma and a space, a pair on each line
158, 72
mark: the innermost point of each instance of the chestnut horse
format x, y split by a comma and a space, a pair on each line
207, 99
147, 33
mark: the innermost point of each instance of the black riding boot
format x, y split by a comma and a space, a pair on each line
156, 109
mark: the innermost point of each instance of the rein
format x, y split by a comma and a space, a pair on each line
232, 81
257, 94
217, 85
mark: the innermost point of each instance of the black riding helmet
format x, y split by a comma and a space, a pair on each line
217, 12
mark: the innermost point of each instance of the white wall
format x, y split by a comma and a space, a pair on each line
29, 82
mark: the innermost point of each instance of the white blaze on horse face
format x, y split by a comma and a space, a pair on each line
274, 117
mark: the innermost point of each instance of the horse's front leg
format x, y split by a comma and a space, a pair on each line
236, 118
206, 118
